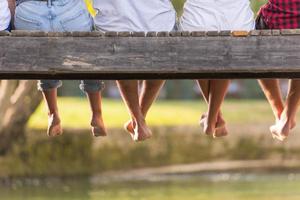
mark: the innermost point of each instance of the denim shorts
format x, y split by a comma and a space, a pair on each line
60, 16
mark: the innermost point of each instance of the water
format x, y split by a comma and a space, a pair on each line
214, 186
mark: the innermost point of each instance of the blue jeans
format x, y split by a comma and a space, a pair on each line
60, 16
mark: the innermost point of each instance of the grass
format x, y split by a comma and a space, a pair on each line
75, 113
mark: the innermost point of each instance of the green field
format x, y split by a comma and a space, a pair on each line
75, 113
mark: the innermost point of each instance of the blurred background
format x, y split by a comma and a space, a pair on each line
178, 162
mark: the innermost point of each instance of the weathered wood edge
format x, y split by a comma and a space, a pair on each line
148, 76
275, 32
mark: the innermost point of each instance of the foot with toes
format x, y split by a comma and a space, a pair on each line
139, 131
54, 125
281, 129
98, 128
216, 129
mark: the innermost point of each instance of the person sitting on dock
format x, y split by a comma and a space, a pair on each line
5, 15
61, 16
281, 14
224, 15
136, 16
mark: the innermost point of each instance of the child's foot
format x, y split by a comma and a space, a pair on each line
98, 128
282, 128
141, 131
208, 129
128, 126
54, 126
220, 128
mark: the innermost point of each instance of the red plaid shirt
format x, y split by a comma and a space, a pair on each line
282, 14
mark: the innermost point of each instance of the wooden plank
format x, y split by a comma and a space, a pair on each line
185, 33
110, 34
198, 33
212, 33
254, 33
124, 34
240, 33
290, 31
138, 34
225, 33
151, 34
266, 32
175, 34
162, 34
4, 33
149, 57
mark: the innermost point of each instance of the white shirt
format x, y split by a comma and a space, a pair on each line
4, 15
217, 15
135, 15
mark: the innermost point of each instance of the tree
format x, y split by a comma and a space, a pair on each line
18, 100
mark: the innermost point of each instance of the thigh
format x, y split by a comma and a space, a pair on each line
28, 16
73, 16
199, 15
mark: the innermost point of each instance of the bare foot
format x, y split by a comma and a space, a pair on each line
54, 126
207, 129
98, 128
220, 129
128, 126
141, 131
281, 129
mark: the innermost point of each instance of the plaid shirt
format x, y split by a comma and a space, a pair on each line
282, 14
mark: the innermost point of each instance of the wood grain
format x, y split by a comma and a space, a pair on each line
118, 56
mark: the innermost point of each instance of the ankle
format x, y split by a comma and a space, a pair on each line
53, 114
97, 115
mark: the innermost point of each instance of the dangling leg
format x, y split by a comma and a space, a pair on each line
288, 117
148, 95
221, 125
93, 88
129, 92
273, 94
49, 90
218, 90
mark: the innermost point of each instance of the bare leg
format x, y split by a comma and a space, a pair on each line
129, 92
288, 117
54, 126
273, 94
98, 128
149, 93
221, 124
216, 98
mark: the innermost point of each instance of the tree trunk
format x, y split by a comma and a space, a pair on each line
19, 99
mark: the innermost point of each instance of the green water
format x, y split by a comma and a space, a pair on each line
176, 187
